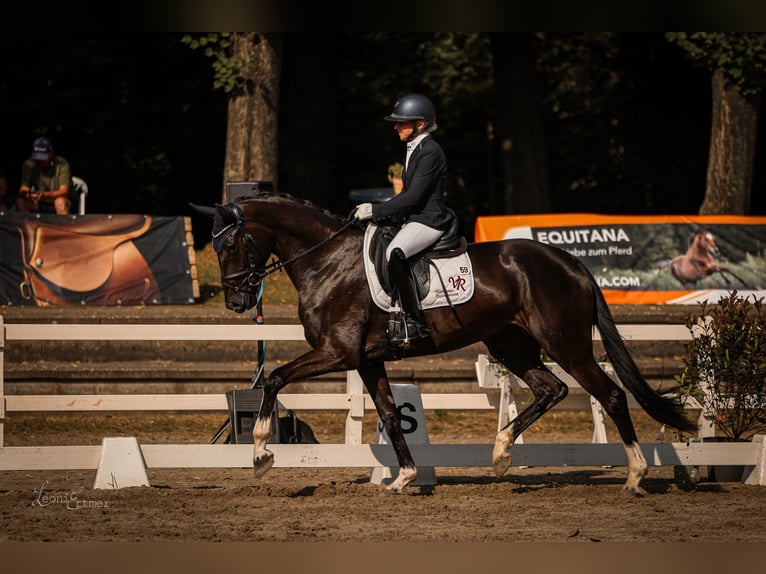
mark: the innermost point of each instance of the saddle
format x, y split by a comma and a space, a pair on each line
82, 261
450, 244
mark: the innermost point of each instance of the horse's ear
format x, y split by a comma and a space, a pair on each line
225, 215
204, 210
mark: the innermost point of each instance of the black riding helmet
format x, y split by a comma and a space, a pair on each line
413, 107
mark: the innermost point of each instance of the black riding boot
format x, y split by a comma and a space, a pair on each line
411, 327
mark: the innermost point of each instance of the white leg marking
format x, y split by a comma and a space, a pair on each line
637, 469
263, 459
501, 458
405, 477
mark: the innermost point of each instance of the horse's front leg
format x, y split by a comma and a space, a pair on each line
263, 459
314, 363
724, 270
376, 382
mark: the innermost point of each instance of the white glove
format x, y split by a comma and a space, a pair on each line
363, 212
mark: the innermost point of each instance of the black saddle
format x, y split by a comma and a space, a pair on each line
450, 244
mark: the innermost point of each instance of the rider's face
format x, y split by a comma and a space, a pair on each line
405, 129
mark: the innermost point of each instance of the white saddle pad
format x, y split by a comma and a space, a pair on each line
451, 279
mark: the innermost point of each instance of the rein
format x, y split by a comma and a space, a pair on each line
278, 265
255, 276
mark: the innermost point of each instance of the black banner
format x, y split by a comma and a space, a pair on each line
94, 260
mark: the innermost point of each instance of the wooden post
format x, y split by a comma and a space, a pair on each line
355, 414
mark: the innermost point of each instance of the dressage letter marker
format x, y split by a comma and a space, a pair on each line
410, 406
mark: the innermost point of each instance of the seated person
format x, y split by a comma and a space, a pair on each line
45, 181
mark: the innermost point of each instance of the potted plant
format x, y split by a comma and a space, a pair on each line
725, 366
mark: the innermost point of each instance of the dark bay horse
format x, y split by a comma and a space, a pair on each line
528, 297
699, 261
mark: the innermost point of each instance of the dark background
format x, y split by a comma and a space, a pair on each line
138, 119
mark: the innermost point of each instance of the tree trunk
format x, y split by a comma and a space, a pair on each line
519, 124
252, 140
732, 149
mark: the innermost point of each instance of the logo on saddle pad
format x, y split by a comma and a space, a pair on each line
446, 279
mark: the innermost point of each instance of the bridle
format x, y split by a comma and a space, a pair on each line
254, 274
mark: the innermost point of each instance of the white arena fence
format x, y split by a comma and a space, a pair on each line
352, 453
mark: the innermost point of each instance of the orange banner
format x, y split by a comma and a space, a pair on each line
651, 259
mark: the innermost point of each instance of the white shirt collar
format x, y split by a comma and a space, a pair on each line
412, 145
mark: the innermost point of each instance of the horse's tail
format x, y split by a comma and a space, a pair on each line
663, 409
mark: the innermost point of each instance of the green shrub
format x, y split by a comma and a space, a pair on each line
726, 365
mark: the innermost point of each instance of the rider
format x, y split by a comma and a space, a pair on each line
420, 210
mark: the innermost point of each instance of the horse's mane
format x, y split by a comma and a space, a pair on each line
292, 199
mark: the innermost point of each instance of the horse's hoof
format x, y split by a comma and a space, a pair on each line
396, 487
635, 492
502, 463
406, 476
262, 463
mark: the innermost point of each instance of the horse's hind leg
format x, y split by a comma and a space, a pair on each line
376, 382
520, 354
596, 382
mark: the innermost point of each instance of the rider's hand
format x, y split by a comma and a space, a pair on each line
363, 212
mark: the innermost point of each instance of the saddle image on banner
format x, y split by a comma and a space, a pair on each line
441, 281
92, 259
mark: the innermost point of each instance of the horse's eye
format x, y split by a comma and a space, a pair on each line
233, 248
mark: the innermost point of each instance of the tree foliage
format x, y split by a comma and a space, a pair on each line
742, 55
584, 96
229, 73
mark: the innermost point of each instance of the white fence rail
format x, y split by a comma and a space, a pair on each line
352, 453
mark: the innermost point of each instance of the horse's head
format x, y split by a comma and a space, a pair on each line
706, 241
242, 263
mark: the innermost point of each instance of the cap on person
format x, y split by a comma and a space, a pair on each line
41, 149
